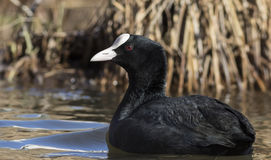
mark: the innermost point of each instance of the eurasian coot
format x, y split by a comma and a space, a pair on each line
147, 121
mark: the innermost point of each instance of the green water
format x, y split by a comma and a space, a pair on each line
72, 124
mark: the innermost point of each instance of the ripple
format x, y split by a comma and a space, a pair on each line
31, 116
52, 124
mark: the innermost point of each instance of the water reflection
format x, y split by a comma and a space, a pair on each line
52, 124
57, 123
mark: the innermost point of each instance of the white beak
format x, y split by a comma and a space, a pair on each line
109, 53
104, 55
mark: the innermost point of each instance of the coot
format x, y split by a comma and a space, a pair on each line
147, 121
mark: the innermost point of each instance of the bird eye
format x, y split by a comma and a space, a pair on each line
128, 47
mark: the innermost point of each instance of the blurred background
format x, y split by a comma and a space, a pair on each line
211, 45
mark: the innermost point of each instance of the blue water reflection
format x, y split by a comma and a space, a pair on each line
90, 140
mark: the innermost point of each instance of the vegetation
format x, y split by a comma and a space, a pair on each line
221, 44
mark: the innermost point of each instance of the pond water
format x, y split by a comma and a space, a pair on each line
72, 124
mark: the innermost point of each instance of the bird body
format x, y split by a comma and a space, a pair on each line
147, 121
185, 125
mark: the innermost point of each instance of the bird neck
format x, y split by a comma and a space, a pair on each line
143, 87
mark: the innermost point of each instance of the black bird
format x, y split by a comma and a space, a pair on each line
147, 121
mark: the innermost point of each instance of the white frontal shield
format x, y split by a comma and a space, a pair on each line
109, 53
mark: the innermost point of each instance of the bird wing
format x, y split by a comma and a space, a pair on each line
225, 118
182, 125
202, 121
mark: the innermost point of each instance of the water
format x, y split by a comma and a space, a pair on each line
72, 124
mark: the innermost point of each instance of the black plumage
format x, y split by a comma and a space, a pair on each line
147, 121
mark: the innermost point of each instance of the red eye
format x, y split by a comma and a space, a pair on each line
129, 47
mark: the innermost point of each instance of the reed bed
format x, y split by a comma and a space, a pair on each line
219, 45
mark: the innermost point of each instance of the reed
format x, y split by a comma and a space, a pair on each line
219, 45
